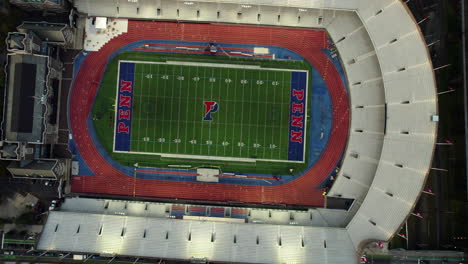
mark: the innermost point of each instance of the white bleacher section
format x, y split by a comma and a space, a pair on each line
320, 217
367, 105
184, 239
387, 66
410, 94
386, 62
272, 13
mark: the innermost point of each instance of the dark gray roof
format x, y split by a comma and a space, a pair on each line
15, 40
24, 111
32, 167
51, 32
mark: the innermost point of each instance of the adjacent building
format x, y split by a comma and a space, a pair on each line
31, 101
56, 6
3, 6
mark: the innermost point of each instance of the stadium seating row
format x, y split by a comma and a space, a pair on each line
393, 96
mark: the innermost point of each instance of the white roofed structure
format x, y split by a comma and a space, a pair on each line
187, 239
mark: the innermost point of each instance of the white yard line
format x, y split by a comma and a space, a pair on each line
234, 101
242, 111
202, 123
195, 109
217, 127
266, 122
147, 112
274, 97
204, 157
178, 112
233, 112
186, 112
281, 115
221, 123
116, 103
227, 113
156, 107
139, 112
258, 120
250, 114
163, 106
215, 65
172, 103
306, 112
211, 99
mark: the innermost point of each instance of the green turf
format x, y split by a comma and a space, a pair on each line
103, 114
252, 120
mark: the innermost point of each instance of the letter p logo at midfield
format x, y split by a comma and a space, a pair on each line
210, 107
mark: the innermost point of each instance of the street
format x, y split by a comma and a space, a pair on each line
406, 260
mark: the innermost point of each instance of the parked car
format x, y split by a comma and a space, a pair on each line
53, 205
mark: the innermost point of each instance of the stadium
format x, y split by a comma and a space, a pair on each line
234, 132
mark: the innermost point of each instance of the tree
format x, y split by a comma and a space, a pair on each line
27, 218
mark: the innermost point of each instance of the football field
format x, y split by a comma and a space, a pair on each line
210, 111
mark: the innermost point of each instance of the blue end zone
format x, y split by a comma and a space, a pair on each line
297, 116
123, 120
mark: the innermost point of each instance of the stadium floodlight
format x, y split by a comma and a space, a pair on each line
246, 6
188, 3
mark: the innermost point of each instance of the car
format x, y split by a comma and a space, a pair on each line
54, 204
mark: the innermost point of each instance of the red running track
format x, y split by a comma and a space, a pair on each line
109, 180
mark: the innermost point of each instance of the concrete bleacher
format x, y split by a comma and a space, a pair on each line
183, 239
367, 98
313, 217
410, 94
389, 153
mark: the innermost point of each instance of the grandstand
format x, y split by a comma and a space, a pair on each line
382, 138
